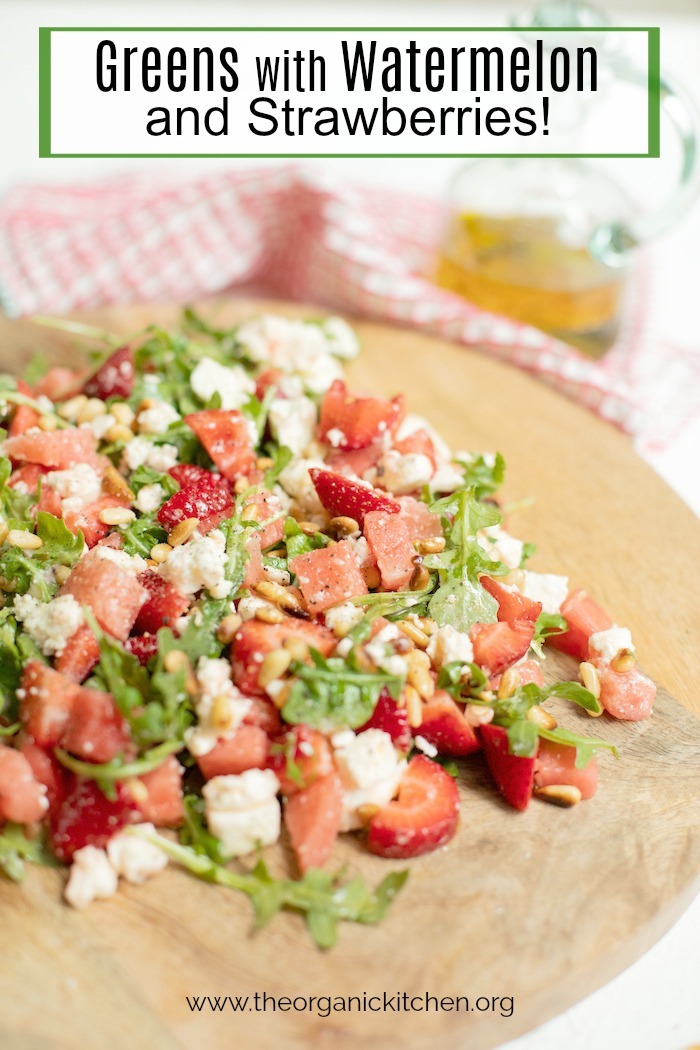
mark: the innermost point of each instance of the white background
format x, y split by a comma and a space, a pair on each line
655, 1004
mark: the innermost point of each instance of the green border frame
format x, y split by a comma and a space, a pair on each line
653, 90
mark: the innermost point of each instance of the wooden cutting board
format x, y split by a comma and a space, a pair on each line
543, 906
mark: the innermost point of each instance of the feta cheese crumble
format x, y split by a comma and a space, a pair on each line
304, 349
501, 546
142, 452
199, 563
293, 422
609, 643
49, 624
81, 484
232, 383
370, 771
136, 859
448, 645
149, 498
243, 811
401, 474
547, 588
91, 878
220, 706
157, 418
134, 564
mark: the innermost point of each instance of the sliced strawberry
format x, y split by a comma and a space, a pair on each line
627, 695
512, 605
96, 731
247, 749
391, 719
255, 639
514, 775
46, 704
189, 474
312, 817
81, 653
390, 543
22, 796
48, 771
299, 757
142, 646
584, 617
356, 461
555, 764
328, 575
445, 726
498, 645
114, 378
114, 596
88, 818
357, 421
164, 605
423, 818
420, 443
161, 801
225, 436
23, 418
205, 499
57, 449
87, 519
342, 497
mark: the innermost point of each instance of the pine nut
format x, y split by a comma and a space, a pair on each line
425, 624
144, 405
623, 662
414, 706
176, 661
116, 515
297, 648
137, 789
26, 541
366, 812
269, 614
508, 684
565, 795
122, 412
114, 484
420, 578
220, 715
240, 485
539, 717
419, 676
264, 462
251, 512
61, 572
274, 666
4, 532
228, 628
279, 691
182, 531
418, 637
342, 526
309, 528
92, 408
69, 409
590, 678
432, 545
120, 432
371, 576
47, 424
7, 586
477, 715
160, 552
279, 595
515, 578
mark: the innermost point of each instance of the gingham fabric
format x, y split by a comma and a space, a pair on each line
299, 235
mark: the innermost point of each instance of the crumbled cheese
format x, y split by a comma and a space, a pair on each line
447, 478
41, 579
343, 648
149, 498
293, 422
199, 563
99, 426
382, 655
142, 452
296, 482
425, 746
243, 811
136, 859
91, 877
49, 624
335, 437
297, 347
341, 338
500, 546
547, 588
609, 643
401, 474
342, 618
220, 706
134, 564
370, 770
449, 645
80, 483
157, 418
233, 383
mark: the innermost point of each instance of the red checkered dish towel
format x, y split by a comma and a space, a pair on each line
297, 234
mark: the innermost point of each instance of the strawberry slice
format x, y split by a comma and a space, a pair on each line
96, 731
161, 803
356, 422
189, 473
584, 617
342, 497
312, 817
391, 719
423, 818
498, 645
88, 818
207, 499
556, 764
514, 775
225, 435
81, 653
299, 757
114, 378
512, 605
445, 726
255, 639
247, 749
164, 604
142, 646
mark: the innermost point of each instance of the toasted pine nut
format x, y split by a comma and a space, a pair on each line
47, 424
515, 578
296, 647
137, 789
419, 675
539, 717
508, 684
366, 812
432, 545
228, 628
309, 528
559, 794
342, 526
240, 485
69, 409
182, 531
61, 572
371, 576
160, 552
251, 512
274, 666
477, 715
275, 592
414, 706
220, 715
363, 660
279, 691
269, 614
92, 408
624, 661
176, 661
4, 531
122, 412
590, 678
418, 637
144, 405
7, 586
120, 432
116, 515
264, 462
420, 578
425, 624
114, 484
26, 541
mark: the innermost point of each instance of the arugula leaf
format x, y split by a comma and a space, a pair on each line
451, 679
318, 895
144, 475
36, 369
15, 848
483, 473
282, 457
194, 832
462, 602
522, 738
14, 503
117, 769
297, 542
142, 534
546, 625
331, 693
586, 746
59, 545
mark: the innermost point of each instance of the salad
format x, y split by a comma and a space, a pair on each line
242, 601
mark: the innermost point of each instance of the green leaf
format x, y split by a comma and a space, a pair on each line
142, 535
282, 457
576, 694
483, 474
522, 738
297, 542
60, 546
194, 831
451, 679
117, 769
462, 602
332, 693
15, 848
144, 475
586, 746
546, 625
36, 369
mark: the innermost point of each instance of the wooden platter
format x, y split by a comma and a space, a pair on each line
543, 906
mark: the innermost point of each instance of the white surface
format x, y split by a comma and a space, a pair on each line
655, 1004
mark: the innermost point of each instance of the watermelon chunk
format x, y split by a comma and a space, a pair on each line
226, 437
355, 422
390, 543
328, 575
114, 596
58, 449
312, 817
